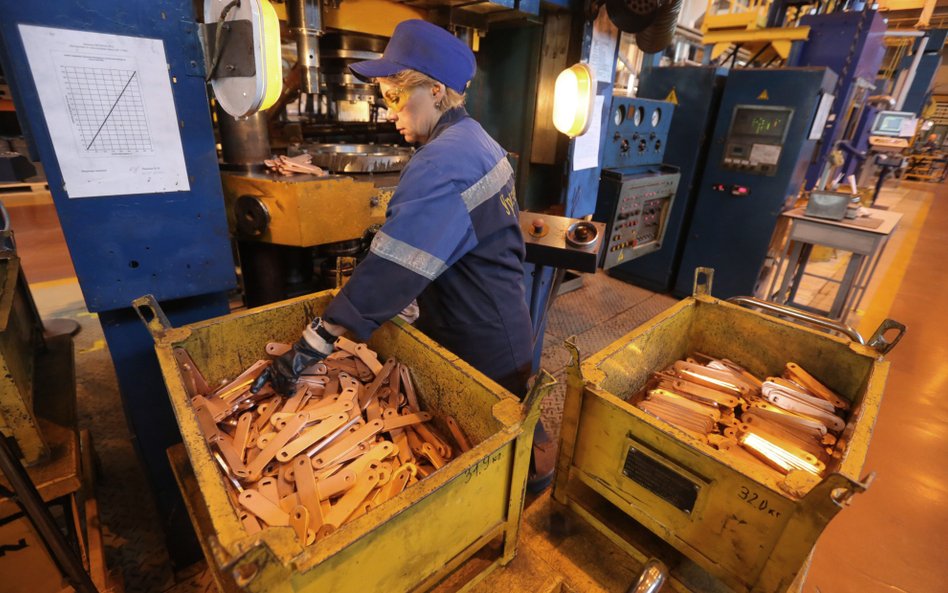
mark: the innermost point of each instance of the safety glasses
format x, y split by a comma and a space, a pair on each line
396, 98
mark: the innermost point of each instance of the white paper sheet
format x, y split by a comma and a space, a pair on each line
586, 147
109, 109
907, 128
766, 154
602, 49
821, 117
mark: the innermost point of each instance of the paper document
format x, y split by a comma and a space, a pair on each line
586, 147
109, 109
765, 154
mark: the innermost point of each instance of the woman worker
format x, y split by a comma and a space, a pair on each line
451, 238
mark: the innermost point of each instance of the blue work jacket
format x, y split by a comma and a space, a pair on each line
452, 240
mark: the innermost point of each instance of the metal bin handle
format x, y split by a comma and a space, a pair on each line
878, 339
653, 577
804, 316
152, 315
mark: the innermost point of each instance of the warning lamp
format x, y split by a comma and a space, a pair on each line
239, 89
573, 96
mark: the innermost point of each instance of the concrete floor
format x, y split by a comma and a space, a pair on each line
890, 540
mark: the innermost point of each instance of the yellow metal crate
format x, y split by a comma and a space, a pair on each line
409, 542
20, 338
744, 524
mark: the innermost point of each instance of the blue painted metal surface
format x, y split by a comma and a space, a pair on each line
637, 133
928, 66
736, 210
172, 245
150, 418
698, 90
850, 44
582, 187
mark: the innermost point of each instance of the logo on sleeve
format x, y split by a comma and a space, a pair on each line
509, 200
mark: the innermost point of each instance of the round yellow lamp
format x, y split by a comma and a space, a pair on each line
272, 58
573, 96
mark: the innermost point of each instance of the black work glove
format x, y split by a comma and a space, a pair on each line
315, 345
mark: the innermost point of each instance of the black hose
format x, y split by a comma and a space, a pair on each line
657, 36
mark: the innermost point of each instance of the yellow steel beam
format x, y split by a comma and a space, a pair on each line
901, 4
768, 35
927, 11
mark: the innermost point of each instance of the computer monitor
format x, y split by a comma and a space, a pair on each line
894, 123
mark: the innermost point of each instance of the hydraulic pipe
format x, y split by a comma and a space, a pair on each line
245, 141
305, 19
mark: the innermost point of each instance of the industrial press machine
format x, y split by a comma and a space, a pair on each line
763, 140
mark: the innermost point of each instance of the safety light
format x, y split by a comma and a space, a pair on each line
272, 56
243, 95
573, 96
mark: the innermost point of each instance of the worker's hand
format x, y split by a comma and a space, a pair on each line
411, 312
315, 345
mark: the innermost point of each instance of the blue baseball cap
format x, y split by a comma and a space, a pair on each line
427, 48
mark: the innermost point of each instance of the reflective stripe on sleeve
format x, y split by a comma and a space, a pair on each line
488, 185
401, 253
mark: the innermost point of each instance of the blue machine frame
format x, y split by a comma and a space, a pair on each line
172, 245
737, 206
637, 133
851, 44
698, 91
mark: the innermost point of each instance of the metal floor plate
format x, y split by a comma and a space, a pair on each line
599, 313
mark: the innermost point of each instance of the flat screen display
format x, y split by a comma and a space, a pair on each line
894, 123
768, 124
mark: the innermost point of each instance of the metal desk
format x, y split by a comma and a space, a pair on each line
864, 237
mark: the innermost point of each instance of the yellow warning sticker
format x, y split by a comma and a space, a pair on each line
763, 96
672, 97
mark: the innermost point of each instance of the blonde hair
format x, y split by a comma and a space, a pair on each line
409, 79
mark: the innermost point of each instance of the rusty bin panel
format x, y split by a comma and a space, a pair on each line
20, 339
748, 526
407, 543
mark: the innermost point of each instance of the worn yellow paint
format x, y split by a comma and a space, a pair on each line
306, 211
53, 283
883, 297
20, 339
750, 527
405, 543
98, 344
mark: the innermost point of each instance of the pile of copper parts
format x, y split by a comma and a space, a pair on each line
351, 437
791, 423
301, 164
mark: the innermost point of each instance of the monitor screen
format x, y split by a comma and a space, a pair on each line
763, 123
893, 123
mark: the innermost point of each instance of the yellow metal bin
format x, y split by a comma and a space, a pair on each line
749, 527
409, 542
21, 337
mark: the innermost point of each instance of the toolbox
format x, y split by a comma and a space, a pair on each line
408, 543
635, 477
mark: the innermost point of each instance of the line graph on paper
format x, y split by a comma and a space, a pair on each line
107, 110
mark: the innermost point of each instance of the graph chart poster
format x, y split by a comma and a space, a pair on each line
111, 116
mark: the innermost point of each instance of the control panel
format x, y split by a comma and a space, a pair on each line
634, 204
755, 139
561, 242
637, 132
